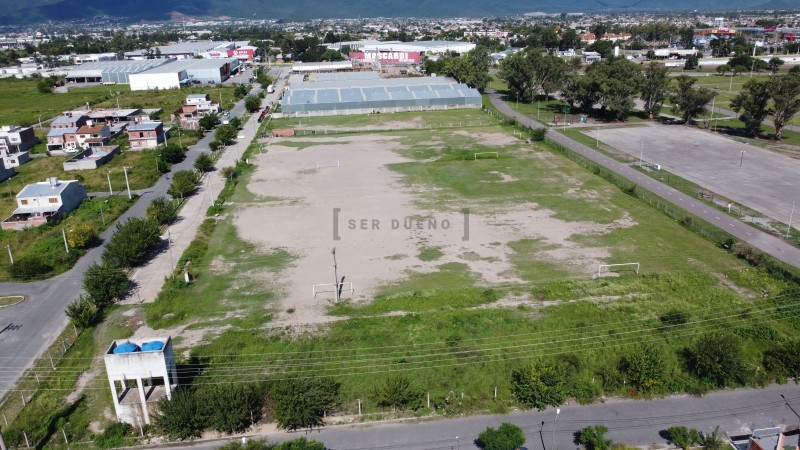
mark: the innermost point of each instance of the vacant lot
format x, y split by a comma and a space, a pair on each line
168, 100
22, 104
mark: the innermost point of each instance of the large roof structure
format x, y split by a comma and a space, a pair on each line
113, 71
385, 95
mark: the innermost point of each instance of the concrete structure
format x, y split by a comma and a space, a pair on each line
205, 105
70, 119
57, 137
87, 136
14, 141
177, 73
766, 439
424, 47
591, 57
140, 373
148, 134
181, 50
6, 172
111, 71
332, 66
167, 76
187, 117
43, 202
92, 158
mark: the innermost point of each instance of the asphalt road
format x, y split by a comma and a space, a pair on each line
633, 422
30, 327
765, 242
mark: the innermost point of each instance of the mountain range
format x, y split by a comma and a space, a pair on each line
32, 11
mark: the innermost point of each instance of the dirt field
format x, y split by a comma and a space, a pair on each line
366, 211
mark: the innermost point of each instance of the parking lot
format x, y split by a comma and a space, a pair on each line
764, 181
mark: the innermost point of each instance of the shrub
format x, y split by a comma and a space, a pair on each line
396, 391
784, 360
252, 103
537, 134
131, 243
209, 122
113, 436
81, 236
82, 312
173, 154
104, 284
674, 318
161, 210
683, 437
302, 403
229, 172
230, 408
539, 385
179, 417
719, 359
645, 367
261, 444
29, 267
593, 437
506, 437
235, 123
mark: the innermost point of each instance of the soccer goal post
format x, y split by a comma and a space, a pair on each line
609, 266
329, 163
496, 155
330, 288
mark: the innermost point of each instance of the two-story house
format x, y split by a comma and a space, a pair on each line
87, 136
203, 103
61, 126
149, 134
14, 143
188, 117
39, 203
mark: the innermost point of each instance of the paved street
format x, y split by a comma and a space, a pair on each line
765, 242
633, 422
30, 327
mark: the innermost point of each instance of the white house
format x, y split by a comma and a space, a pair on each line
41, 202
140, 372
14, 141
203, 103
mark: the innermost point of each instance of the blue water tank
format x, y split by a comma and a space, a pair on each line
128, 347
152, 346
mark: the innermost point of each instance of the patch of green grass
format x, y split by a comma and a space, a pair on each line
430, 253
169, 100
8, 300
22, 103
435, 119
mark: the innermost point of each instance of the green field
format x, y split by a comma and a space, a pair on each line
167, 100
434, 119
22, 104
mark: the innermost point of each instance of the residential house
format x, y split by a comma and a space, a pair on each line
14, 141
188, 117
766, 439
87, 136
148, 134
203, 103
45, 201
70, 119
591, 57
6, 172
92, 158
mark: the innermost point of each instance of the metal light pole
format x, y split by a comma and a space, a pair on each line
458, 446
741, 158
110, 189
10, 256
64, 235
171, 261
558, 411
335, 275
791, 216
128, 185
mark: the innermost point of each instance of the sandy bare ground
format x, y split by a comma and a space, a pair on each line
366, 211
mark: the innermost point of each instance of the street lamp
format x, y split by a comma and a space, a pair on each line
558, 411
741, 158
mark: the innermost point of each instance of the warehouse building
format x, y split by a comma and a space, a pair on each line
365, 96
423, 47
111, 71
180, 72
181, 50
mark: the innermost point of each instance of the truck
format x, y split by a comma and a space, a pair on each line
270, 89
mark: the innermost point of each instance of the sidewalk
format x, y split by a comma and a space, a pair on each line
149, 279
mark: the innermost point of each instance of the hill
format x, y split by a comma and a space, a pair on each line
13, 12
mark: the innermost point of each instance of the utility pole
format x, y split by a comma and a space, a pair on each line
2, 442
102, 216
558, 411
125, 169
171, 261
335, 275
791, 216
110, 189
10, 256
64, 235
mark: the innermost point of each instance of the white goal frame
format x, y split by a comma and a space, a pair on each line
496, 155
325, 288
600, 267
328, 163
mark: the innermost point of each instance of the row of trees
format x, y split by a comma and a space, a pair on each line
777, 96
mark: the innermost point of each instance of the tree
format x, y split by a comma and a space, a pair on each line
82, 312
225, 134
240, 91
785, 93
178, 417
396, 391
160, 210
183, 182
332, 55
688, 101
719, 358
605, 48
617, 81
229, 408
752, 102
173, 154
131, 242
594, 437
209, 121
683, 437
45, 86
203, 163
302, 403
691, 63
506, 437
655, 87
252, 103
599, 30
104, 284
774, 64
235, 123
215, 145
471, 68
539, 385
